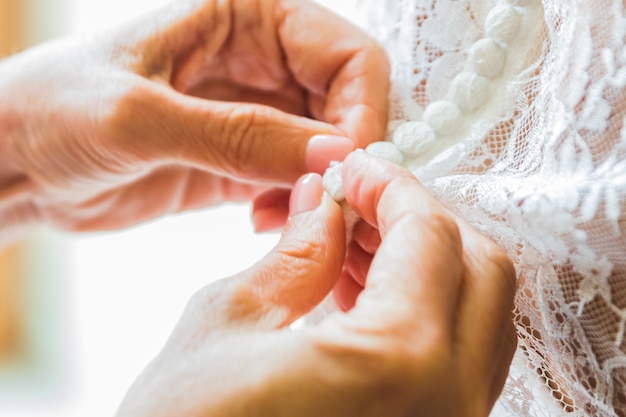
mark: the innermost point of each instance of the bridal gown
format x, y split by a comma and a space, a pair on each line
513, 113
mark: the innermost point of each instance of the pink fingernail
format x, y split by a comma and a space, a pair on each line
323, 149
306, 194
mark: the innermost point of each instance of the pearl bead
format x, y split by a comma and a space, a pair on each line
469, 90
443, 117
503, 23
487, 57
385, 150
413, 138
332, 182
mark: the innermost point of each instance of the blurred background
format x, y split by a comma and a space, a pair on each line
81, 315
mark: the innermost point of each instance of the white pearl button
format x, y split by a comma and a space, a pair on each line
413, 138
503, 23
469, 90
332, 182
487, 57
385, 150
443, 117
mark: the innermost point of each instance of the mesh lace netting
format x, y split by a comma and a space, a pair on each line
542, 170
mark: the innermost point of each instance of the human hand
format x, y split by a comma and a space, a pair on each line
149, 117
430, 335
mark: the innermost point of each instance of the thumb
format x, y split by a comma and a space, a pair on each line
242, 140
304, 266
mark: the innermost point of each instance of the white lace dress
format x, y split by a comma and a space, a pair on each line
538, 163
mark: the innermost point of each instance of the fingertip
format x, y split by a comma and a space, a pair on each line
323, 149
365, 178
306, 195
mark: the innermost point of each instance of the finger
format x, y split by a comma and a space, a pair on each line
290, 99
366, 236
446, 251
357, 263
166, 189
245, 141
344, 70
502, 364
270, 210
346, 292
301, 270
485, 312
415, 277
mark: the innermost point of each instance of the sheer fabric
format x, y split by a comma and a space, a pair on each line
540, 167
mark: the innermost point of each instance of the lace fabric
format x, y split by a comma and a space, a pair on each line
540, 168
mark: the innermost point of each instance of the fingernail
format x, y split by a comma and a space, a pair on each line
323, 149
306, 194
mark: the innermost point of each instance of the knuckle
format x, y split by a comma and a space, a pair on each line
226, 300
241, 134
501, 265
300, 255
126, 114
128, 117
445, 226
430, 217
392, 356
438, 223
208, 295
404, 362
381, 55
119, 107
371, 51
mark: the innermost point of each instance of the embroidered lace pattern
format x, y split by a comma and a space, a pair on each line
541, 168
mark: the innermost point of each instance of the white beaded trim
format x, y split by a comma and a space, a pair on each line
487, 58
503, 23
387, 151
414, 138
443, 117
469, 90
332, 182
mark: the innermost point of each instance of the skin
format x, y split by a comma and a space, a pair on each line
195, 104
211, 101
429, 335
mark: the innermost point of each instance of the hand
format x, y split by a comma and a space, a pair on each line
192, 105
430, 335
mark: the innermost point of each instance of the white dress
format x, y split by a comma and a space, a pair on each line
537, 163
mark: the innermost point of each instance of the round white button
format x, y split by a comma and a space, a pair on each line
413, 138
487, 58
443, 117
332, 182
503, 23
469, 90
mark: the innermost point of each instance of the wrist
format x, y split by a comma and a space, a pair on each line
17, 210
